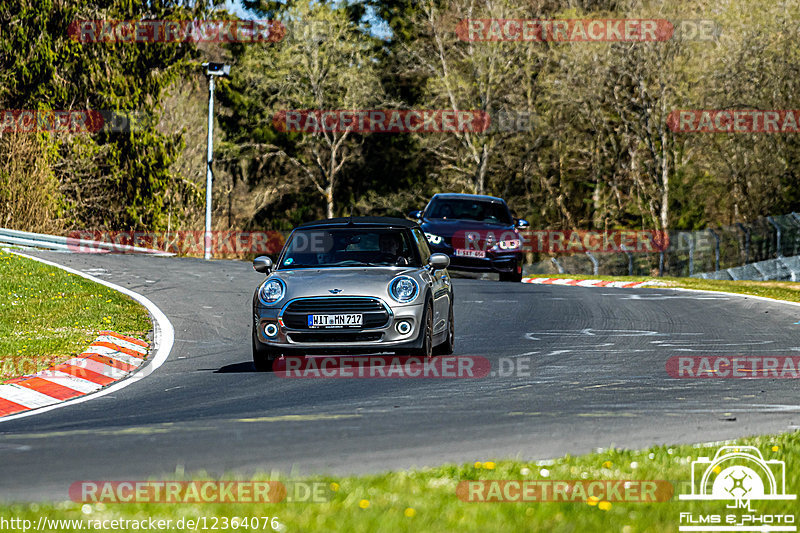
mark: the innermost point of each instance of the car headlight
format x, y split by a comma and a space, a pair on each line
434, 239
271, 291
510, 244
403, 289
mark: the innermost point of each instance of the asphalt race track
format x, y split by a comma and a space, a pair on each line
597, 378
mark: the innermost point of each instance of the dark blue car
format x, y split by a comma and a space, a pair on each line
477, 232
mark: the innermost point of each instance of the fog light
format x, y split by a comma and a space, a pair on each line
270, 330
403, 327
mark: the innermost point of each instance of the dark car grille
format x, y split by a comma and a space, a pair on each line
330, 336
296, 314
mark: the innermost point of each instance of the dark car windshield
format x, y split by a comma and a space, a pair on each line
347, 247
465, 209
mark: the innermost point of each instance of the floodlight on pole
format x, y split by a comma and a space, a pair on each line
213, 70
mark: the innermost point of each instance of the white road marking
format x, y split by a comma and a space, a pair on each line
26, 397
122, 343
71, 382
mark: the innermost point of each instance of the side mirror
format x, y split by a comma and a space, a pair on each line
262, 264
439, 261
522, 223
416, 215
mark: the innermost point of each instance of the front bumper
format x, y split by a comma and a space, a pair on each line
362, 339
502, 262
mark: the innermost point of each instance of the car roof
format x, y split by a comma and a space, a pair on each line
463, 196
344, 222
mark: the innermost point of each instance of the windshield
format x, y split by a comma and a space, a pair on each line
464, 209
343, 247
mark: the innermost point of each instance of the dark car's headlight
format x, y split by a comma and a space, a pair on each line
271, 291
434, 239
509, 245
403, 289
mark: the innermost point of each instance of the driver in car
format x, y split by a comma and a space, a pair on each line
391, 246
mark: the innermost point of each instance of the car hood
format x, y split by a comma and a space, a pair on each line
447, 228
355, 281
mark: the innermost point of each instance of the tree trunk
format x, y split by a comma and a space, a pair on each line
329, 199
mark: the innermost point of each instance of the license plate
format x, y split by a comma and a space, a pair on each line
335, 321
471, 253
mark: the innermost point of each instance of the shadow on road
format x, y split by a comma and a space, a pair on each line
236, 368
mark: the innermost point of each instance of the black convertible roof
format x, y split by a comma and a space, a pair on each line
361, 221
464, 196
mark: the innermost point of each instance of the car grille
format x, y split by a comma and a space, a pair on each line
330, 336
295, 316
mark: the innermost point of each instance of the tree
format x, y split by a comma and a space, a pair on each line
324, 63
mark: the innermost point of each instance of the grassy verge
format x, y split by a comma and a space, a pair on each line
779, 290
48, 315
426, 500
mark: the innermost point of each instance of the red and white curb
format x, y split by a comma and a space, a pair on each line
591, 282
163, 340
108, 359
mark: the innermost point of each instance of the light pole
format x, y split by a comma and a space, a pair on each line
212, 71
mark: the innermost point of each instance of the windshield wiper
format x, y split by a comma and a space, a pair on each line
353, 262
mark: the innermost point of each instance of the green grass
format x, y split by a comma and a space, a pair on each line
426, 500
48, 315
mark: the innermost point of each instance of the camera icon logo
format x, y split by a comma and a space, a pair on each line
738, 473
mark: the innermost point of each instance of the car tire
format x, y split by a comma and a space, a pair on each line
263, 357
425, 349
449, 345
514, 276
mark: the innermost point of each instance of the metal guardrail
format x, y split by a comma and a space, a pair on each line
69, 244
731, 251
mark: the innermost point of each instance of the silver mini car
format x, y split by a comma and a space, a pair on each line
360, 284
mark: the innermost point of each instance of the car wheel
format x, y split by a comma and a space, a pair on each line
514, 276
426, 335
449, 345
426, 350
263, 357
